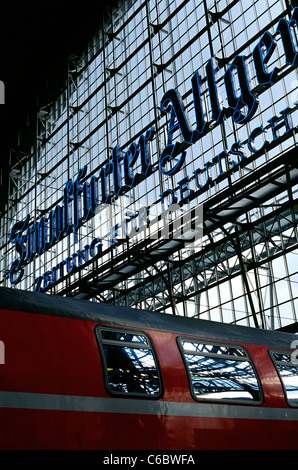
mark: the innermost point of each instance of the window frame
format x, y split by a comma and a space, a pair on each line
275, 364
149, 346
246, 358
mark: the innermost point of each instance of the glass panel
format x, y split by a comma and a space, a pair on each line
127, 337
289, 376
131, 370
214, 375
214, 349
130, 365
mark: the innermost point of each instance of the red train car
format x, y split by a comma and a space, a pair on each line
83, 375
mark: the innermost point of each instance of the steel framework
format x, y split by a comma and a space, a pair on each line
248, 225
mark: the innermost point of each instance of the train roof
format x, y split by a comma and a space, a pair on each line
55, 305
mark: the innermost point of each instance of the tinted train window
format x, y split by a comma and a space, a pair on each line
130, 365
220, 373
288, 373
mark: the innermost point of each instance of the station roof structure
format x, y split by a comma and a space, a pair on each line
35, 40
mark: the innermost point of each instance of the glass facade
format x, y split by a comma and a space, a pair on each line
238, 165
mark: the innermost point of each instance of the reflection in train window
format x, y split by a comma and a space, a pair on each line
288, 373
220, 372
129, 363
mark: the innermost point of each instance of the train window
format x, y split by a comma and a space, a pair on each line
130, 364
220, 372
288, 373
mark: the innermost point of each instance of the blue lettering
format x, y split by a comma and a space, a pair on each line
170, 153
95, 243
105, 183
30, 242
235, 151
40, 236
200, 111
144, 147
237, 70
60, 267
70, 263
77, 202
67, 212
83, 257
37, 282
178, 119
185, 192
90, 198
251, 140
288, 32
54, 274
285, 121
164, 196
217, 161
216, 106
125, 171
261, 55
55, 225
117, 157
130, 158
198, 172
46, 279
143, 214
16, 236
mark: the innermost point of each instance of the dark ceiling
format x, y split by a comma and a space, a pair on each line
36, 38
